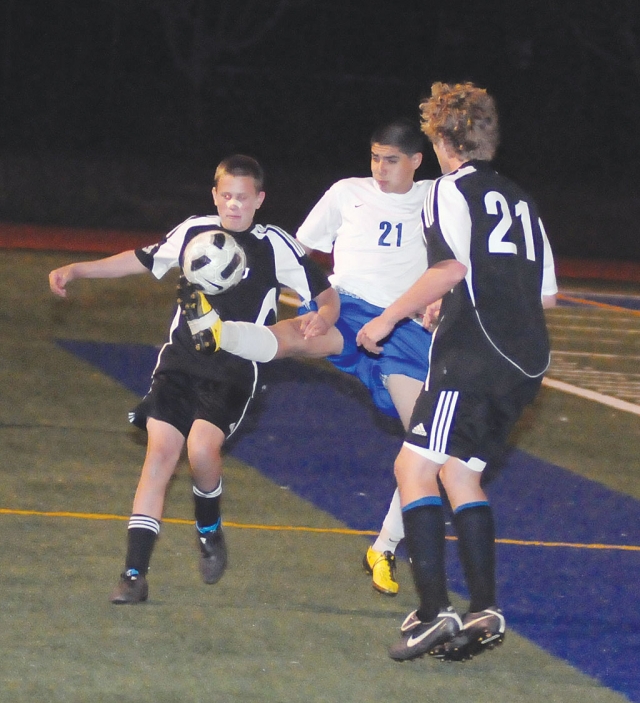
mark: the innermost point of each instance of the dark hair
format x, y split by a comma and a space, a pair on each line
240, 165
464, 117
402, 133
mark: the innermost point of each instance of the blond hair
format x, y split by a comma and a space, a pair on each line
464, 117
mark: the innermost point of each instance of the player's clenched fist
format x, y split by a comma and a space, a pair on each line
59, 278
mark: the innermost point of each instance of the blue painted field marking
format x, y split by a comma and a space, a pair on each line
317, 433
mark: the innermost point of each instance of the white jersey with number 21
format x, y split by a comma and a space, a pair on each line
376, 237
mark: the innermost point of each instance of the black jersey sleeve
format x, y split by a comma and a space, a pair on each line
294, 269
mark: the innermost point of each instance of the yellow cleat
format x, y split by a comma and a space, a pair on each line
204, 322
382, 566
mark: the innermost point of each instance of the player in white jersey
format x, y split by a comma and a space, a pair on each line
373, 227
490, 258
195, 399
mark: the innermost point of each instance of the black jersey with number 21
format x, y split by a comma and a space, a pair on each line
494, 318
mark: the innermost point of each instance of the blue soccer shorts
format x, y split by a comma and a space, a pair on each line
405, 351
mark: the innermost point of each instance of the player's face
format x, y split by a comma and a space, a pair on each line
237, 199
392, 169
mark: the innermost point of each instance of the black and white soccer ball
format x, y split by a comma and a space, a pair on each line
214, 262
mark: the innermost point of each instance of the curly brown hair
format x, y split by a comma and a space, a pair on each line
464, 117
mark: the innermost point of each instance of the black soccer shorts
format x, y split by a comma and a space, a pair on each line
470, 425
179, 399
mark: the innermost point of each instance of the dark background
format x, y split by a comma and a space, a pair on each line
114, 113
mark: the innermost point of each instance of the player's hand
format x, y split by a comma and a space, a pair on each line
312, 325
204, 322
371, 333
432, 315
59, 278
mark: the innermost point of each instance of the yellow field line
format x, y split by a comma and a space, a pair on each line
300, 528
605, 306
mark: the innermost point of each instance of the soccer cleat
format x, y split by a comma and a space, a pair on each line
480, 631
382, 567
204, 322
420, 638
132, 588
213, 555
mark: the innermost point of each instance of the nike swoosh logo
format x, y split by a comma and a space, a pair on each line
359, 205
484, 617
412, 641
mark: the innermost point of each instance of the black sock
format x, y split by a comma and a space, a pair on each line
207, 507
141, 537
425, 541
474, 527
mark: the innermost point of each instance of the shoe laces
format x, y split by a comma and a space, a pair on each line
390, 559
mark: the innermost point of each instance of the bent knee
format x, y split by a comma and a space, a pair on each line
455, 472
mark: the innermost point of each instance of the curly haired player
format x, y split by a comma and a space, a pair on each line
490, 258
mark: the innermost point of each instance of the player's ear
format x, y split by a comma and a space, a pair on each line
416, 159
214, 194
261, 196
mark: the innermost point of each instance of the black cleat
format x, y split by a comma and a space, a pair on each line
213, 555
480, 631
420, 638
132, 588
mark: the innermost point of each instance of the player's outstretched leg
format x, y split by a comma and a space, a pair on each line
479, 632
420, 638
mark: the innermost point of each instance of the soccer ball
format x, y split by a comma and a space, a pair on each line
214, 262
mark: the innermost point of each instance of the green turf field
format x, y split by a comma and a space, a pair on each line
294, 619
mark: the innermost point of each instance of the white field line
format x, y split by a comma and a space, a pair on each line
592, 395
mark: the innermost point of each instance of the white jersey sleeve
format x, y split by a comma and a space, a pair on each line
454, 218
549, 283
320, 228
165, 255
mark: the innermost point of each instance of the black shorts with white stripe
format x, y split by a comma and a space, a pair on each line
467, 424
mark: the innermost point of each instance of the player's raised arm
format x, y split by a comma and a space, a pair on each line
125, 263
